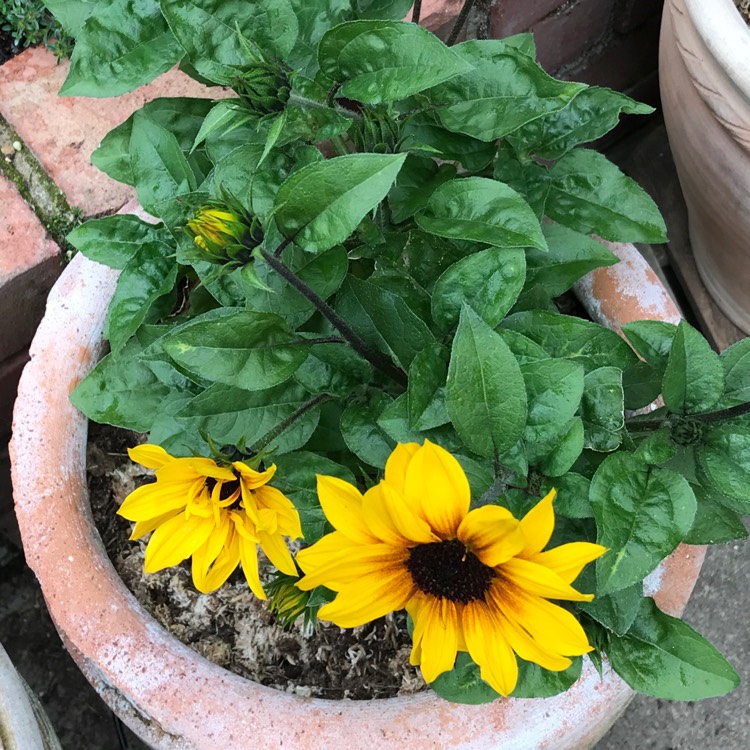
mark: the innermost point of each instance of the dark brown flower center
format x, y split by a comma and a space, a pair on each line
227, 489
450, 571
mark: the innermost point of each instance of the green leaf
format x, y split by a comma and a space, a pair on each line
736, 361
581, 340
148, 275
481, 210
362, 434
561, 458
714, 523
322, 204
485, 392
642, 513
121, 391
570, 256
383, 320
554, 388
246, 349
394, 420
505, 90
297, 477
617, 611
528, 178
224, 117
664, 657
124, 44
71, 14
489, 282
383, 9
216, 33
602, 409
160, 169
229, 415
417, 180
426, 389
114, 240
536, 682
463, 683
572, 499
657, 448
524, 349
724, 461
641, 385
591, 195
335, 369
694, 378
592, 113
384, 61
652, 339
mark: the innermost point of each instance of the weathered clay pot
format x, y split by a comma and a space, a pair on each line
704, 70
174, 698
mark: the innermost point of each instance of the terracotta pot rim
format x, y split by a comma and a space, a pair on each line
726, 35
144, 673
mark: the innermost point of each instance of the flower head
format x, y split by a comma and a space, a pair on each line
218, 515
476, 581
222, 233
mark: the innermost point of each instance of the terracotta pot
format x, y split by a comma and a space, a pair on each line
704, 70
174, 698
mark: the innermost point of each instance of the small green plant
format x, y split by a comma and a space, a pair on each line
347, 302
28, 22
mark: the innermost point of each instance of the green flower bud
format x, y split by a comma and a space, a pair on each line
264, 88
222, 234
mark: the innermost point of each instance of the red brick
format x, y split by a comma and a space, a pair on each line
632, 13
10, 373
513, 16
564, 36
29, 265
63, 131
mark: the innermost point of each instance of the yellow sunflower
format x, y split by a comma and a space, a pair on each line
218, 515
215, 230
475, 581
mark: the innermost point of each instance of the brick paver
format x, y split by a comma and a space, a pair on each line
63, 131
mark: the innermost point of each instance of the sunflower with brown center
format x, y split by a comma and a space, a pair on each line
476, 581
217, 514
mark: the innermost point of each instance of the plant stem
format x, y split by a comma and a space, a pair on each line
373, 356
492, 493
284, 245
417, 11
722, 414
460, 20
324, 340
271, 435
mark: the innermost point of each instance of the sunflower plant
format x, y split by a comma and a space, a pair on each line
340, 325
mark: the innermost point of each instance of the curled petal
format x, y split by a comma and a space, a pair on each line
150, 456
568, 560
175, 540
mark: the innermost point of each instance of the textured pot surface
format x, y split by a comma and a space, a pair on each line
173, 697
704, 67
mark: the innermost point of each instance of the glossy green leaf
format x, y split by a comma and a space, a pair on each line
335, 369
524, 349
572, 500
736, 361
383, 320
123, 44
417, 180
426, 390
641, 385
114, 240
528, 178
592, 113
394, 420
602, 409
642, 513
216, 33
505, 90
723, 459
71, 14
561, 458
581, 340
230, 415
481, 210
694, 378
384, 61
591, 195
714, 523
485, 392
658, 448
362, 434
246, 349
322, 204
536, 682
570, 256
617, 611
664, 657
383, 9
464, 684
488, 282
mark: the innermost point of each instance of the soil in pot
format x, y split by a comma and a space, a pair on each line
744, 8
230, 626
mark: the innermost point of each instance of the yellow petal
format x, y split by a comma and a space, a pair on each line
488, 647
391, 520
192, 468
205, 555
249, 560
150, 456
312, 558
436, 634
538, 525
436, 481
254, 479
342, 504
142, 528
277, 552
568, 560
540, 581
527, 648
224, 565
175, 540
287, 515
492, 534
397, 463
368, 599
155, 499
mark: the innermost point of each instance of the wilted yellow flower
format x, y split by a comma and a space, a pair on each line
475, 581
218, 515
